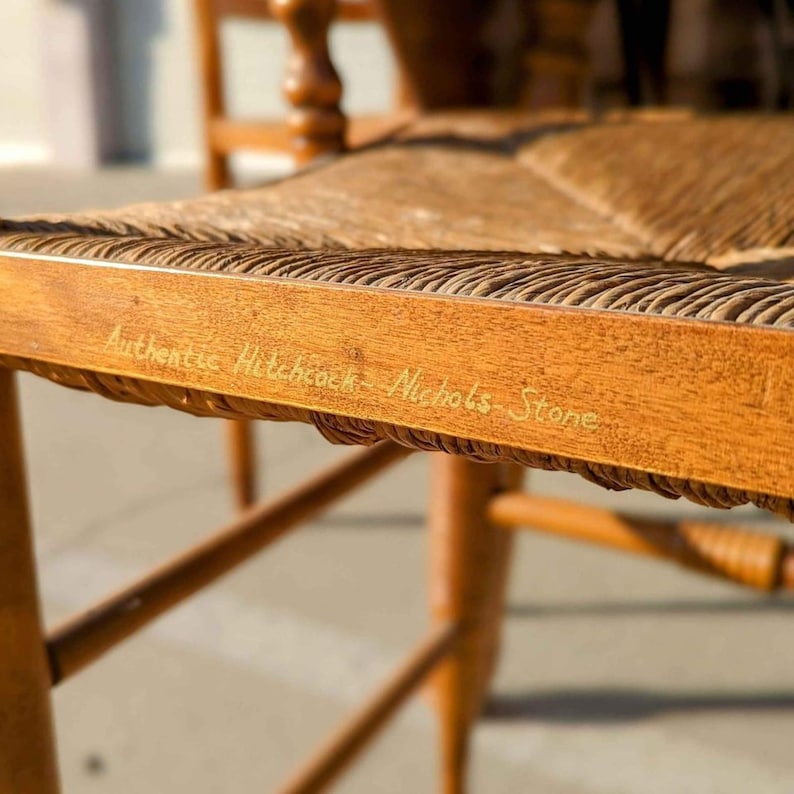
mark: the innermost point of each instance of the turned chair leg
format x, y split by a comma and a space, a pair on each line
27, 745
469, 563
242, 460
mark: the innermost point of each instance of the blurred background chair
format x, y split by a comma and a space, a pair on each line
224, 134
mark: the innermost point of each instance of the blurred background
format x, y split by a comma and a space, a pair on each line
618, 674
87, 82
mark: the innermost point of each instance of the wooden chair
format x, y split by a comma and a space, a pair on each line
506, 291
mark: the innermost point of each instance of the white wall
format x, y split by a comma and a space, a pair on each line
23, 133
152, 41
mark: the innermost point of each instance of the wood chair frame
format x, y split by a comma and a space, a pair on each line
64, 318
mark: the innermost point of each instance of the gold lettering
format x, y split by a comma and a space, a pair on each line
424, 397
246, 359
410, 384
350, 381
114, 340
152, 350
525, 392
571, 415
407, 382
538, 408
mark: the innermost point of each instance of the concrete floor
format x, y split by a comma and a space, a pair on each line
618, 674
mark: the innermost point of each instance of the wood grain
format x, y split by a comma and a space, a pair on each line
707, 401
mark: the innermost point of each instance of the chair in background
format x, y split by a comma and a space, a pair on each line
225, 135
503, 290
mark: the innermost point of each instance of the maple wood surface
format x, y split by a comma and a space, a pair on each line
609, 297
681, 397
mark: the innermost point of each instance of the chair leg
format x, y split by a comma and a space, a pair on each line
242, 459
240, 432
27, 744
469, 563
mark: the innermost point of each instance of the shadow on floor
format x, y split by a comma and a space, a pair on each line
594, 706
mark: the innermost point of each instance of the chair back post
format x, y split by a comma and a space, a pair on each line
216, 169
312, 85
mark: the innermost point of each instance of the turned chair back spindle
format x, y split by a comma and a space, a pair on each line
315, 125
312, 85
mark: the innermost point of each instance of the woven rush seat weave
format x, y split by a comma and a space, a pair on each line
683, 217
